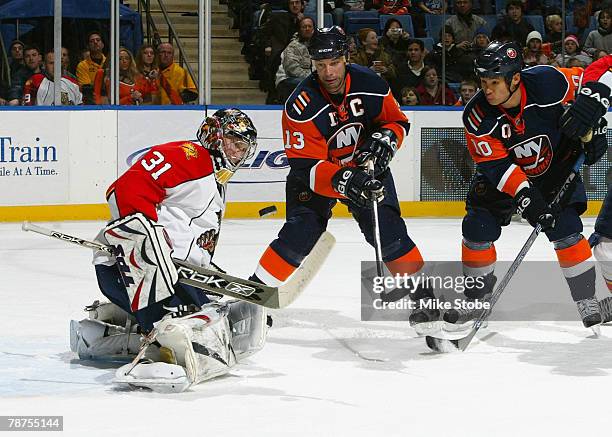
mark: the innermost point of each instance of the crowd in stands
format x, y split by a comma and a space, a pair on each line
149, 78
425, 56
408, 44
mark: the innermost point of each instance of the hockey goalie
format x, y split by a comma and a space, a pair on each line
168, 205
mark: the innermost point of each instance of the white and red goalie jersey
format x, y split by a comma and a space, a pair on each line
174, 185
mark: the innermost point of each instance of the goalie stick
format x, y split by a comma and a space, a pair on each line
222, 283
445, 345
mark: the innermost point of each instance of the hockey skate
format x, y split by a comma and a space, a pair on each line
605, 307
424, 319
590, 313
458, 321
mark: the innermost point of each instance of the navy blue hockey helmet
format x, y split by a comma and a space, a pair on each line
499, 59
328, 43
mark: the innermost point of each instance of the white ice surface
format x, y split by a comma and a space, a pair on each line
520, 379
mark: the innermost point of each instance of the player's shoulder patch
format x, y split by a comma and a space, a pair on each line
479, 118
545, 84
306, 101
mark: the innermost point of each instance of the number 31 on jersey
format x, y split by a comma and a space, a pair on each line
154, 163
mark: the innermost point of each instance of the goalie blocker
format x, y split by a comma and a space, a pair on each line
140, 277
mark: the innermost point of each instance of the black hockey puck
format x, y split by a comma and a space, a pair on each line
268, 210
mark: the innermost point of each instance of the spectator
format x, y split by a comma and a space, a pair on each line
459, 64
481, 41
32, 60
392, 7
424, 7
66, 64
430, 90
276, 34
335, 8
409, 73
16, 63
352, 47
464, 23
434, 7
147, 64
600, 39
372, 56
409, 97
467, 90
600, 54
572, 51
39, 89
353, 5
16, 51
177, 86
582, 21
133, 87
87, 68
296, 64
554, 26
395, 40
536, 53
513, 26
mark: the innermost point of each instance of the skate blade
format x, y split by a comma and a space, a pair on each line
596, 330
428, 329
453, 331
442, 345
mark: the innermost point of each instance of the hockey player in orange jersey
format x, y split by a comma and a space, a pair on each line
337, 119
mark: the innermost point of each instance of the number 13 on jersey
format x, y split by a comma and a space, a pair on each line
294, 140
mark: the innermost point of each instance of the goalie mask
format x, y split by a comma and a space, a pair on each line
231, 138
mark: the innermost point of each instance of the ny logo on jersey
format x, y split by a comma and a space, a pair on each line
533, 155
342, 144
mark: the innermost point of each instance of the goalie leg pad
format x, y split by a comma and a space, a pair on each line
603, 254
201, 342
97, 340
143, 255
249, 328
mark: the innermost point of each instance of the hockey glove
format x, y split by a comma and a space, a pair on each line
591, 104
358, 186
381, 147
597, 147
532, 207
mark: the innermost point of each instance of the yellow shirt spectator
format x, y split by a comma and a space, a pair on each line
86, 71
178, 78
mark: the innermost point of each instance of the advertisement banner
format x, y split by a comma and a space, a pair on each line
34, 158
262, 178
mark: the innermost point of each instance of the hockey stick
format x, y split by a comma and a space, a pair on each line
223, 283
445, 345
376, 225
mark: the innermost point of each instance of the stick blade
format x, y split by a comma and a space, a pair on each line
299, 280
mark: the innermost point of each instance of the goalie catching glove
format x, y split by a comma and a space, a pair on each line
358, 186
379, 147
591, 105
532, 207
